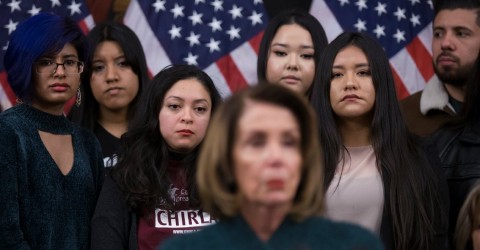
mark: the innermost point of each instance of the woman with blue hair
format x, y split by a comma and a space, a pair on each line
51, 170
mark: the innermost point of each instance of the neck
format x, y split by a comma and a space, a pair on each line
114, 121
264, 220
50, 109
456, 92
354, 133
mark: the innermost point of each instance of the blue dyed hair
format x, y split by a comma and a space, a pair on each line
44, 34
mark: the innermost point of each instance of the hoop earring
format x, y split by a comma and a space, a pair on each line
18, 100
78, 100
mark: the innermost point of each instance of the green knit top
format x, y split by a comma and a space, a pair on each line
309, 234
40, 208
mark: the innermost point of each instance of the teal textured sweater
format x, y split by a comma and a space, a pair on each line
40, 208
312, 233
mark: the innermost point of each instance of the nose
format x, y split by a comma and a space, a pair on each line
351, 82
292, 63
187, 116
274, 154
59, 70
447, 41
111, 74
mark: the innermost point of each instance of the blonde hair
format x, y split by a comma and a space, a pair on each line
215, 174
469, 214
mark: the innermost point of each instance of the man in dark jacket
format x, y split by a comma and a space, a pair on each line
455, 46
458, 146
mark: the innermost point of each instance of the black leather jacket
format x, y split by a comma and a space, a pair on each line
459, 152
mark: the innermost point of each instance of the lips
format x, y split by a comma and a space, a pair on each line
113, 91
350, 97
291, 79
59, 87
446, 58
185, 132
275, 184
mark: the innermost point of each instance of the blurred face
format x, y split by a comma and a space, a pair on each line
266, 155
290, 60
185, 115
113, 82
476, 238
476, 229
55, 87
352, 94
455, 44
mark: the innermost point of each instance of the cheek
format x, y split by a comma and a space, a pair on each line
165, 124
202, 126
96, 86
273, 69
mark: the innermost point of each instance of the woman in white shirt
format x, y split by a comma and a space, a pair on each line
376, 175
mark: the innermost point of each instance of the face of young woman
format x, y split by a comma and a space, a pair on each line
185, 115
290, 60
113, 82
352, 94
54, 87
266, 155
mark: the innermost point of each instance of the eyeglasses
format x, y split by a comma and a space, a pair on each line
71, 67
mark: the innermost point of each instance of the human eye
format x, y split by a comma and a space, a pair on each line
173, 106
365, 72
256, 141
290, 141
98, 67
201, 109
437, 33
45, 62
123, 64
307, 56
70, 63
336, 75
463, 33
279, 53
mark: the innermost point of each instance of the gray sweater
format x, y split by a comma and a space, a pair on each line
40, 208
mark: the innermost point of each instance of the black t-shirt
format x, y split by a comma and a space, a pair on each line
110, 145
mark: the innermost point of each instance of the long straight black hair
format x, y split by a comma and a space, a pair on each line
408, 177
141, 172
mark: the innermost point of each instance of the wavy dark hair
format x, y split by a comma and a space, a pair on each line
295, 16
141, 172
414, 200
87, 114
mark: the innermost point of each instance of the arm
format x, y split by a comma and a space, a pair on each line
111, 220
11, 234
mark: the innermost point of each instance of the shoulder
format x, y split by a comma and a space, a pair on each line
10, 119
411, 101
339, 235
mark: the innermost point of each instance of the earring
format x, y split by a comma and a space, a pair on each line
78, 100
18, 100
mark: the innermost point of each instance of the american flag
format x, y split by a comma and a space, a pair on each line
13, 12
220, 36
403, 27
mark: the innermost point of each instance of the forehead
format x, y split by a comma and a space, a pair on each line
108, 47
290, 32
188, 89
456, 18
266, 117
351, 53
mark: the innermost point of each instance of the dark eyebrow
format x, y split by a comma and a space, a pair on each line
285, 46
